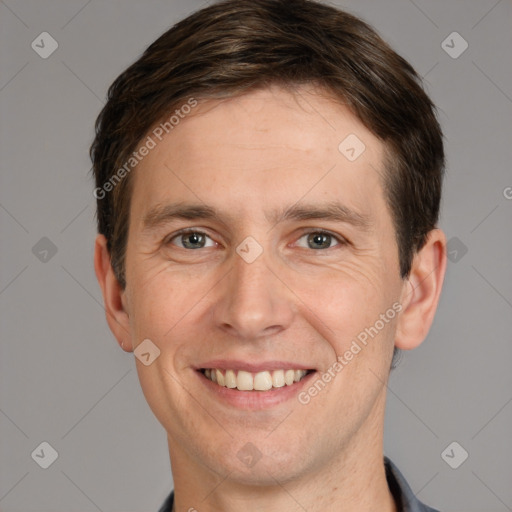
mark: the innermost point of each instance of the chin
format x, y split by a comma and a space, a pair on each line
260, 463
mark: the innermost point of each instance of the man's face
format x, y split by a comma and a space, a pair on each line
266, 166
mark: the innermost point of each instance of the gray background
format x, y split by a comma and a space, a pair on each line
63, 378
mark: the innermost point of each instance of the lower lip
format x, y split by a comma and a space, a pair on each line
255, 399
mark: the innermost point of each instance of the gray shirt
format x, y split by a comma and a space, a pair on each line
405, 499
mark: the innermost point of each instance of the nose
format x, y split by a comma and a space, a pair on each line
253, 301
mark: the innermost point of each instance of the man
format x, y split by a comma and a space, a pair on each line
268, 177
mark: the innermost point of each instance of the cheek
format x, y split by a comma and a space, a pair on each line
346, 308
347, 295
153, 312
162, 299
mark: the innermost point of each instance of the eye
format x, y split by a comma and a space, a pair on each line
318, 240
192, 240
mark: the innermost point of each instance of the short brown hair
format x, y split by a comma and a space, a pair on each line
236, 46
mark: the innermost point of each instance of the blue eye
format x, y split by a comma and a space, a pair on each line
192, 240
318, 240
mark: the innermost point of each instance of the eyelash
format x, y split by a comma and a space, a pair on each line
186, 231
339, 239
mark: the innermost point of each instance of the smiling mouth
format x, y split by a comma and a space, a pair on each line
248, 381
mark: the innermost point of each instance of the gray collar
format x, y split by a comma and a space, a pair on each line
405, 499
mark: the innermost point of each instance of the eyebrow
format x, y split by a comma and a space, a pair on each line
333, 211
162, 214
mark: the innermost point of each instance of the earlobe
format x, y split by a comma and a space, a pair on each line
421, 292
113, 296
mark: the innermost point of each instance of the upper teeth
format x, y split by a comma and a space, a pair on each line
261, 381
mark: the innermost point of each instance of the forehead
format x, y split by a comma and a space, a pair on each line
268, 146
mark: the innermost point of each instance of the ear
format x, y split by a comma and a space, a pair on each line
421, 292
113, 295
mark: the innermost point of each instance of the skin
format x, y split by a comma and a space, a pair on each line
249, 157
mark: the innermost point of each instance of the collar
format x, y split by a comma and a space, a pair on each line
405, 499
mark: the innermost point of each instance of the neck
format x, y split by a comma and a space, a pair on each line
352, 481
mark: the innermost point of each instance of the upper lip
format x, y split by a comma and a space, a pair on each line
254, 367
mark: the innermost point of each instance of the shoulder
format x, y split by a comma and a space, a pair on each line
167, 506
404, 496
